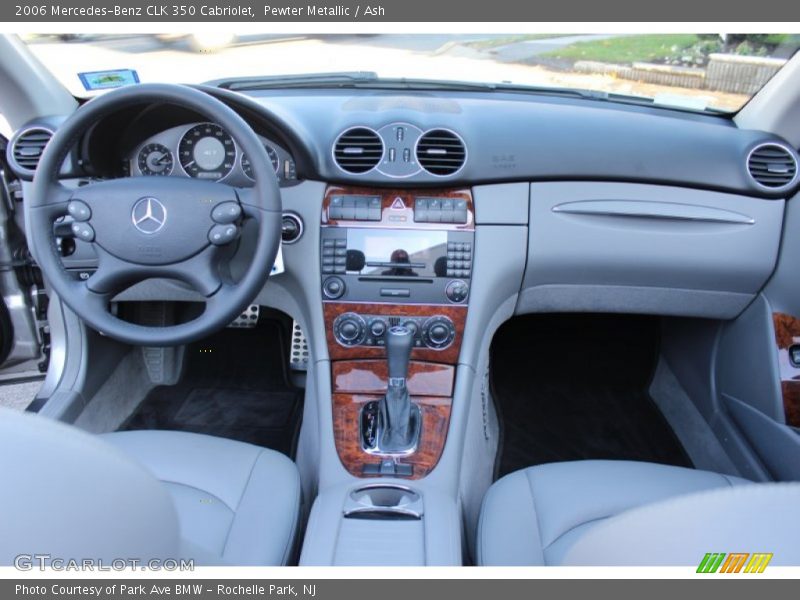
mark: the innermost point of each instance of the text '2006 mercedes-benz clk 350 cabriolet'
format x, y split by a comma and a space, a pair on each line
475, 301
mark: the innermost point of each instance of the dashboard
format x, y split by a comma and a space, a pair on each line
416, 139
203, 150
682, 210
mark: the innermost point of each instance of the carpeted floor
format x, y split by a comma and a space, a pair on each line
235, 386
571, 387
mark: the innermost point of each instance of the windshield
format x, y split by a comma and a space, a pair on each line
691, 71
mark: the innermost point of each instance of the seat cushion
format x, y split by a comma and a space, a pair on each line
66, 494
238, 503
534, 516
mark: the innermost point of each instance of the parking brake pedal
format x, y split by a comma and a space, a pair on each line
298, 351
248, 319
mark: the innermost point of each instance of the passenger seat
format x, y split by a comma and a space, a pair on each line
603, 512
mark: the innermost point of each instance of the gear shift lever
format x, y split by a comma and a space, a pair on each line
399, 341
398, 418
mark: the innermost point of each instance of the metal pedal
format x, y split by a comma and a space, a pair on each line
248, 319
298, 352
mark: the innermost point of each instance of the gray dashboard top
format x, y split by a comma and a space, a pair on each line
515, 137
508, 137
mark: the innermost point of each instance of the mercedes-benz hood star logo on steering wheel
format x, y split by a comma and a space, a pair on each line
149, 215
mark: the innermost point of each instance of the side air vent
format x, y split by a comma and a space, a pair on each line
358, 150
441, 152
772, 166
27, 148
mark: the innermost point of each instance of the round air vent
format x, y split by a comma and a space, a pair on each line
26, 149
441, 152
772, 166
358, 150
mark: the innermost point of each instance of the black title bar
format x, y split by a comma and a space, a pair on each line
465, 11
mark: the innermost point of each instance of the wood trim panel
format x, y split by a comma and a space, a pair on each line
371, 377
398, 218
435, 422
787, 334
449, 355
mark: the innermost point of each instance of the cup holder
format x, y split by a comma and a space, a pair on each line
383, 501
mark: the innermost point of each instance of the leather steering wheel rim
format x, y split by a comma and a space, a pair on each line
128, 252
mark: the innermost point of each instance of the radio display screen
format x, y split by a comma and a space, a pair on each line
396, 253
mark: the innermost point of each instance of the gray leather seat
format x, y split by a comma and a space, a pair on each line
237, 501
143, 494
599, 512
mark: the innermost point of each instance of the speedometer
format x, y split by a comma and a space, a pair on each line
273, 157
207, 151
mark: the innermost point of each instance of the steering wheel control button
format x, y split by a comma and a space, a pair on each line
79, 211
83, 231
223, 234
333, 288
227, 212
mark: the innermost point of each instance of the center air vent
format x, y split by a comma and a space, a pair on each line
358, 150
27, 148
772, 166
441, 152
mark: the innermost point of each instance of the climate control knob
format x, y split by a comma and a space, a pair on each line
438, 332
377, 328
350, 329
412, 326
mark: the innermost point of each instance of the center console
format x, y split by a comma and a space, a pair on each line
396, 267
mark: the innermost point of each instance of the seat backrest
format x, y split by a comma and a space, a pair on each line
747, 519
67, 494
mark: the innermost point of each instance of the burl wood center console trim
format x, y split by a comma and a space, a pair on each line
394, 217
358, 360
360, 373
787, 334
449, 355
435, 423
371, 377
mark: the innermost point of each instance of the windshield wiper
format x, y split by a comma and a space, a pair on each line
371, 80
347, 79
335, 79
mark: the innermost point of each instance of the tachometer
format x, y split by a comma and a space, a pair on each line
155, 159
207, 151
273, 156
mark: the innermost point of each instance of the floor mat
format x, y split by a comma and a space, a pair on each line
572, 387
235, 386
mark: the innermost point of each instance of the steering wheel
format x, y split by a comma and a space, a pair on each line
156, 227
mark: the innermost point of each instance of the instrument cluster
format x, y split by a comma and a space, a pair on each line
204, 151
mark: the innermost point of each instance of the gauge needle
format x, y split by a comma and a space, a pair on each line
189, 164
164, 158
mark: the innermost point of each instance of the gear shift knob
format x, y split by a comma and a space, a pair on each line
399, 342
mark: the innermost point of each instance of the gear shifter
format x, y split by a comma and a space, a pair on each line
398, 418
